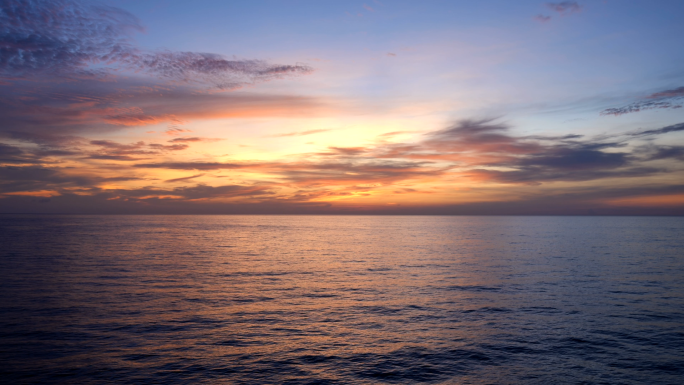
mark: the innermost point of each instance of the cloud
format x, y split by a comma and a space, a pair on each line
478, 153
485, 151
659, 131
537, 175
260, 199
667, 152
542, 18
198, 165
110, 150
174, 130
299, 133
12, 154
319, 172
58, 112
71, 68
193, 139
37, 178
346, 150
368, 8
565, 7
395, 133
671, 99
76, 39
183, 179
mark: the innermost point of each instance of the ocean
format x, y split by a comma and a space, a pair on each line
341, 300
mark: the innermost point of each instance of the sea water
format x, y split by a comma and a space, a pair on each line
341, 299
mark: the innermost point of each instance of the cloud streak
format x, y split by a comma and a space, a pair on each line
668, 99
54, 112
299, 133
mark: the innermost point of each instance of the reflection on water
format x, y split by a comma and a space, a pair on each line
329, 299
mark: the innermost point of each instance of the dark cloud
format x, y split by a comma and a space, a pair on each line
110, 150
193, 139
61, 181
36, 178
466, 147
350, 151
665, 152
198, 165
198, 192
183, 179
535, 175
356, 174
467, 141
659, 131
482, 151
473, 144
12, 154
542, 18
566, 201
229, 191
653, 151
15, 155
117, 146
668, 99
569, 158
78, 39
61, 62
483, 136
565, 7
323, 172
116, 157
173, 147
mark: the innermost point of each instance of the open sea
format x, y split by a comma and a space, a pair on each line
341, 300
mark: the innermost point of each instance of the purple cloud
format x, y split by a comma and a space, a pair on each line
70, 38
668, 99
565, 7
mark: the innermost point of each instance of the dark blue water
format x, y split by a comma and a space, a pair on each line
349, 300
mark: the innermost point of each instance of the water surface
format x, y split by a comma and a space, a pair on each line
341, 299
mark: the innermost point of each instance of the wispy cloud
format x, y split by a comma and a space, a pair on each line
183, 179
77, 39
671, 99
299, 133
53, 112
193, 139
565, 7
394, 133
658, 131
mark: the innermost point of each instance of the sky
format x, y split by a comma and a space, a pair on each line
330, 107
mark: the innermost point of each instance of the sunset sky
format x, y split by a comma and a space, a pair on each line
430, 107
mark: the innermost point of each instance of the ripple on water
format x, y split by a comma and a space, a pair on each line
338, 300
